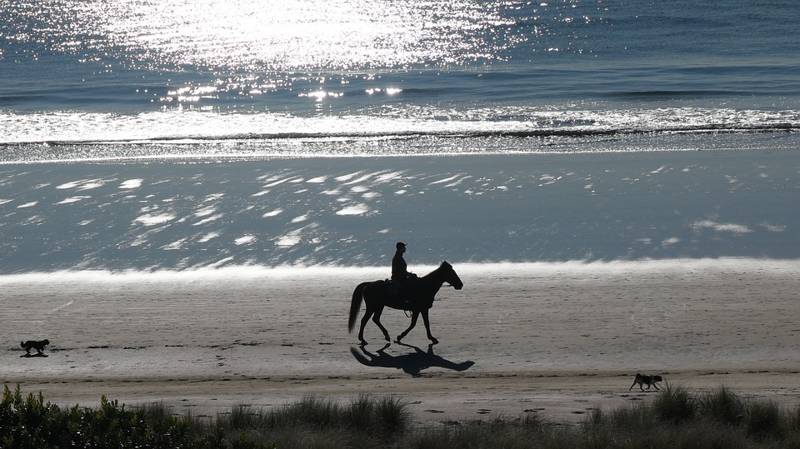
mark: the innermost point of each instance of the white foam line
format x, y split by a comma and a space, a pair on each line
62, 306
522, 269
442, 181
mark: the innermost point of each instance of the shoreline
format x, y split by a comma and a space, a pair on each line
212, 158
517, 269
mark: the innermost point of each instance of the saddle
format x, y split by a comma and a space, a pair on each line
400, 293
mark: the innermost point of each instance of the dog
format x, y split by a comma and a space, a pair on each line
33, 344
643, 379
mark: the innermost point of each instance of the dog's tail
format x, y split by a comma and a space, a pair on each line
355, 305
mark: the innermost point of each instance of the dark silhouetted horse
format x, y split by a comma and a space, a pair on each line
378, 294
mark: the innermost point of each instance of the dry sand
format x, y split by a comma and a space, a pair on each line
559, 339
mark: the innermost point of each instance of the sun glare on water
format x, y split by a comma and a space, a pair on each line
299, 35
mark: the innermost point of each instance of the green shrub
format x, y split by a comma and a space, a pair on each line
639, 416
723, 406
392, 415
763, 418
674, 420
29, 422
793, 419
674, 405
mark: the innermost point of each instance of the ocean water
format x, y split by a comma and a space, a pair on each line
176, 134
258, 78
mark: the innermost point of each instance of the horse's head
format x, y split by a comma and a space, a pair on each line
450, 276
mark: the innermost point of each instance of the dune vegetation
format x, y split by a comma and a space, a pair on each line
675, 418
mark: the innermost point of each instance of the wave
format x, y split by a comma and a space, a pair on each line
189, 139
668, 94
176, 127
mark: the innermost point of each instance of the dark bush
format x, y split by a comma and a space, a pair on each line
674, 420
674, 405
723, 406
763, 418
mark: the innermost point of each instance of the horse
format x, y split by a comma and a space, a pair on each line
377, 295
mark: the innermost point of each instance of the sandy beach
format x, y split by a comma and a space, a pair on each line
554, 338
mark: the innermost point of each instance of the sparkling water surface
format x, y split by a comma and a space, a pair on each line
528, 72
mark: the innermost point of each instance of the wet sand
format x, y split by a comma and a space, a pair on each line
178, 215
558, 339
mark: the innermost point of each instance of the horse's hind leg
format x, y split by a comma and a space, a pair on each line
364, 322
376, 318
414, 317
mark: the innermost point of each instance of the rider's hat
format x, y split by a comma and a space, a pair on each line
400, 245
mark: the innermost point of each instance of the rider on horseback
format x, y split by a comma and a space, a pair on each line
400, 274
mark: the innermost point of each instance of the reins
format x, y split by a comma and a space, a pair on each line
444, 284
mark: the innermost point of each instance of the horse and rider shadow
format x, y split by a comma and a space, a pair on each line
412, 363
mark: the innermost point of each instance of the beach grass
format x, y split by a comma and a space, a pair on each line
675, 418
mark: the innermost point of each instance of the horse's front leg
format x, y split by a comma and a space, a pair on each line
364, 321
428, 327
414, 317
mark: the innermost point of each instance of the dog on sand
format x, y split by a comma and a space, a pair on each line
643, 379
34, 344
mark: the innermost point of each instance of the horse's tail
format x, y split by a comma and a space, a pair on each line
355, 305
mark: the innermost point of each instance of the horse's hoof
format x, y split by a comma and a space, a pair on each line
434, 341
398, 339
362, 343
